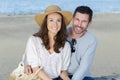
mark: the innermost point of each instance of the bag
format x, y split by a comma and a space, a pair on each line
18, 73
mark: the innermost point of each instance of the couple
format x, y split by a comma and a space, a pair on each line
62, 54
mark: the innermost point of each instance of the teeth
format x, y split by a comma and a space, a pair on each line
54, 28
78, 28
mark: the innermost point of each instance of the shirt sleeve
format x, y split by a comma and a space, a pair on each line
85, 62
66, 54
25, 61
32, 53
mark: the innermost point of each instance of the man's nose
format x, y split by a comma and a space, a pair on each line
79, 23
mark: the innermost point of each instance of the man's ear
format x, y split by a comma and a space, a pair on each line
89, 23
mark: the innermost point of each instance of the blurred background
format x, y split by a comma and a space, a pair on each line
17, 24
36, 6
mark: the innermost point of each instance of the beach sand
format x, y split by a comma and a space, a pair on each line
16, 29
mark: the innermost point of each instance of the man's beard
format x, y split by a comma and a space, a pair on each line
82, 30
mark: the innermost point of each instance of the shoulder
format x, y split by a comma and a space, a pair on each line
88, 39
67, 44
66, 50
91, 37
33, 39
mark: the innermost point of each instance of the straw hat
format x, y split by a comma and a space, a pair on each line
51, 9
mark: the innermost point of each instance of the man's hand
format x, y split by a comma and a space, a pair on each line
28, 69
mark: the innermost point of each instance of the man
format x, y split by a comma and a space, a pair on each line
83, 44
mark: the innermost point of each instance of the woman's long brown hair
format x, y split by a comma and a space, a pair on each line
60, 38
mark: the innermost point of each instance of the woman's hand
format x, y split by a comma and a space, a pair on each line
28, 69
64, 75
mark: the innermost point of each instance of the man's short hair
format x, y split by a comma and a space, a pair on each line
84, 10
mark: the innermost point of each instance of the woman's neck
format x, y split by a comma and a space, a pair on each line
51, 42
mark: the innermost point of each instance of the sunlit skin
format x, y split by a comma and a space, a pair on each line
54, 21
80, 24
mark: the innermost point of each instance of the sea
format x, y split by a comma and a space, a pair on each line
38, 6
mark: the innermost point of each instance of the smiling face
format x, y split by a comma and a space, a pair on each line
80, 23
54, 21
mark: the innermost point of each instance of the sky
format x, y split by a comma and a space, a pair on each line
37, 6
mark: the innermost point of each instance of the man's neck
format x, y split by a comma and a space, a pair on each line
75, 35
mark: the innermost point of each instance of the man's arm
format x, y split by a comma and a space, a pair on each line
85, 62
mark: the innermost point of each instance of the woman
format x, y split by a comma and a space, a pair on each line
48, 48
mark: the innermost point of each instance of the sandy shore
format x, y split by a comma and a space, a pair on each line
15, 30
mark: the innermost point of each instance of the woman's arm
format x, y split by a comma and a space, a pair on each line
64, 75
66, 61
33, 59
42, 75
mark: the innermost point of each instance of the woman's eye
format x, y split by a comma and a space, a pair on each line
50, 20
59, 20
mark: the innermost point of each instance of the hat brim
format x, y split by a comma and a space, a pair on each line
66, 14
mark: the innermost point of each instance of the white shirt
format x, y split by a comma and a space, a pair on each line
38, 55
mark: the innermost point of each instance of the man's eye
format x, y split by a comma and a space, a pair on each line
85, 21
